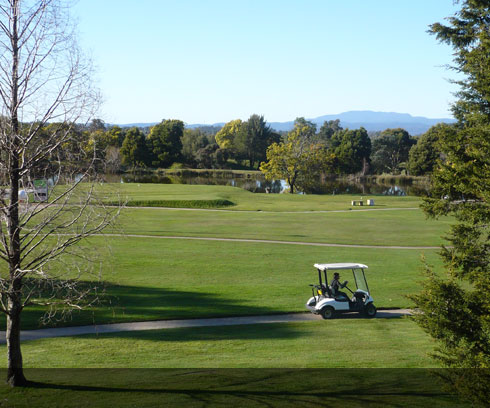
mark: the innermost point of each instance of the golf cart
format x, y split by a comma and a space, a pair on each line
327, 303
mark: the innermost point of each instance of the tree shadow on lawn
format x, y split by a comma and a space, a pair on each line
244, 387
243, 332
139, 303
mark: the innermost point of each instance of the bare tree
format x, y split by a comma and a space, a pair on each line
45, 93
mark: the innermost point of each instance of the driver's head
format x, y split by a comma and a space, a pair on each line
336, 275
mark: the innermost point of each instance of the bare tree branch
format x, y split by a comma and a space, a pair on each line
46, 94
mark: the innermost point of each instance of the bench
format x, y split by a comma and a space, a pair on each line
361, 202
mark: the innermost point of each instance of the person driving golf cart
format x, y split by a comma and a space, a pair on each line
328, 301
335, 287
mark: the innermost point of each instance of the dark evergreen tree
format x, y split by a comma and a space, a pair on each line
390, 150
134, 149
424, 154
328, 129
455, 309
352, 149
253, 139
165, 143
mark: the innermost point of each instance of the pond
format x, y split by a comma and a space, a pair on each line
255, 182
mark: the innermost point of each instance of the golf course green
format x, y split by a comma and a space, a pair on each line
254, 257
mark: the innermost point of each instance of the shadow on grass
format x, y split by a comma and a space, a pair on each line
240, 387
211, 333
139, 303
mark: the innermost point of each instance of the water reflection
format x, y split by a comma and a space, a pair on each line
257, 184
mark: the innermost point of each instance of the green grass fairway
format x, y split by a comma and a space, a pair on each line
283, 217
344, 342
246, 200
398, 227
156, 278
152, 278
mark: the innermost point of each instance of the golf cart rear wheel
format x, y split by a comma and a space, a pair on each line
327, 312
370, 310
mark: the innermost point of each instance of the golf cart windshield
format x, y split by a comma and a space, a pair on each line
356, 268
360, 279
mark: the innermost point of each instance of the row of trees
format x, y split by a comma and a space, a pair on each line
169, 142
246, 142
304, 155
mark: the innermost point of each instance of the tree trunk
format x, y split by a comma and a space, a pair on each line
292, 182
15, 372
15, 375
291, 185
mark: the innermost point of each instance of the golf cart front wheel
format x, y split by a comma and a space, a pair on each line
370, 310
327, 312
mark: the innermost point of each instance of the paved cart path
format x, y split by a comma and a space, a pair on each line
174, 324
350, 210
266, 241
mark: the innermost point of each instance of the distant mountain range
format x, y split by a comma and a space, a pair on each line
371, 121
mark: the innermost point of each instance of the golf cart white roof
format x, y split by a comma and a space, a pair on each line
333, 266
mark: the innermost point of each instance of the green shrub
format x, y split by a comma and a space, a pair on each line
218, 203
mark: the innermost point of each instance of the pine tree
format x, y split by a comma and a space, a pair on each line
455, 309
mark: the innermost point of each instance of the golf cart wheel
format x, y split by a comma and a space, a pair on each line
370, 310
327, 312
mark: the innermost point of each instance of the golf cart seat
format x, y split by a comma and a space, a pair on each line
339, 296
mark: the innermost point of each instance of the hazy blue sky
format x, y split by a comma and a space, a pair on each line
206, 61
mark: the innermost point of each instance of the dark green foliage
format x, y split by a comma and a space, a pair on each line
455, 309
115, 136
454, 317
327, 131
165, 143
352, 149
253, 139
192, 141
390, 151
211, 156
469, 36
134, 151
204, 156
423, 156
